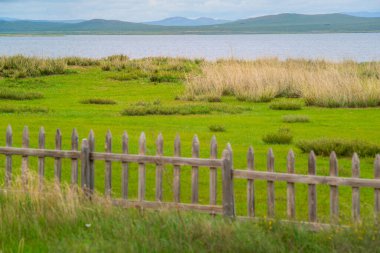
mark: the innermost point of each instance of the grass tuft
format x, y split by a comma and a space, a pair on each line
217, 128
282, 136
99, 101
325, 146
285, 105
19, 95
23, 109
296, 119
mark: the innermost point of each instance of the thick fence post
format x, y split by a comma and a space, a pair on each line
312, 191
213, 171
291, 196
159, 167
270, 184
141, 184
8, 161
177, 171
41, 159
74, 162
25, 159
195, 172
228, 188
355, 190
85, 169
91, 146
58, 161
108, 167
125, 166
251, 184
377, 190
334, 193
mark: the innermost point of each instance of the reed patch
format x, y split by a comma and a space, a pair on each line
295, 119
9, 94
282, 136
99, 101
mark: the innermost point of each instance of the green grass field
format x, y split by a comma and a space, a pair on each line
244, 123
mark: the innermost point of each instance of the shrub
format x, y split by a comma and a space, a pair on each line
341, 147
19, 95
282, 136
295, 119
165, 77
285, 105
99, 101
217, 128
79, 61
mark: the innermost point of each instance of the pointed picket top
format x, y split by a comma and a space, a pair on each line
9, 136
355, 165
377, 166
74, 139
195, 146
108, 147
160, 144
125, 140
25, 137
333, 164
290, 161
312, 163
270, 160
142, 144
250, 158
58, 139
213, 147
41, 138
177, 145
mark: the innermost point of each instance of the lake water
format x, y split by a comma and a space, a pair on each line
359, 47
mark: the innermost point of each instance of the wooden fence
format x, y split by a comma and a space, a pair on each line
87, 157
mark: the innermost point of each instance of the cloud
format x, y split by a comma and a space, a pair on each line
134, 10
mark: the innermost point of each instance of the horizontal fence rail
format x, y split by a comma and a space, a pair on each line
83, 159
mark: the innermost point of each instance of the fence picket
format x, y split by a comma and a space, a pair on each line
91, 168
108, 166
250, 184
159, 167
74, 161
270, 184
25, 159
377, 190
228, 189
312, 189
177, 171
213, 171
8, 158
141, 184
58, 161
125, 167
85, 169
355, 190
195, 172
41, 159
291, 198
334, 193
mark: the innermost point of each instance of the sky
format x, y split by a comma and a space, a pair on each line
148, 10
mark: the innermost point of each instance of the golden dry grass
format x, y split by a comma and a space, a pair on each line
318, 82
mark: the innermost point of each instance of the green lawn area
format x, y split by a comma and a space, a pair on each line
62, 96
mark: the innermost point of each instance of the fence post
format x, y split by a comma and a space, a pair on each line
108, 167
41, 160
228, 188
177, 171
8, 163
58, 161
25, 160
74, 161
125, 173
195, 172
85, 169
213, 171
91, 175
377, 190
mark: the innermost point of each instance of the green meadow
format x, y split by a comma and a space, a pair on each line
149, 95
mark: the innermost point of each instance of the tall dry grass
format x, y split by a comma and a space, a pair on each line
318, 82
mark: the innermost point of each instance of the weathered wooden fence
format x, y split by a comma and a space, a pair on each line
87, 156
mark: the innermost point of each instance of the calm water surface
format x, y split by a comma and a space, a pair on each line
359, 47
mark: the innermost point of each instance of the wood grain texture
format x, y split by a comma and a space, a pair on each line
125, 166
177, 171
41, 159
195, 172
227, 182
8, 158
334, 193
213, 171
159, 167
74, 161
58, 161
355, 190
312, 190
270, 185
291, 196
142, 173
108, 166
250, 184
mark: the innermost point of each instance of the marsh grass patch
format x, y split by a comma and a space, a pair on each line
282, 136
325, 146
22, 109
9, 94
99, 101
217, 128
295, 119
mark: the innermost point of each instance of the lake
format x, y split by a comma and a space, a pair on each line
358, 47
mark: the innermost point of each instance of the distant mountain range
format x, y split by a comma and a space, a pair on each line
282, 23
181, 21
364, 14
